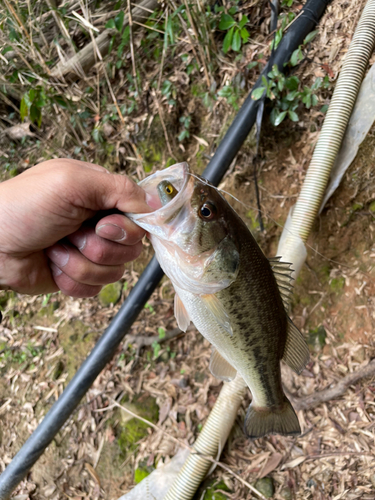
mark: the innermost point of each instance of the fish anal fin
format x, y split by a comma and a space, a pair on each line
220, 368
296, 351
182, 317
274, 420
217, 310
283, 276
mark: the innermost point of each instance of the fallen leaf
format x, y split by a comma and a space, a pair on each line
271, 464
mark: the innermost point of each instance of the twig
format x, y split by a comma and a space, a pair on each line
192, 450
335, 392
163, 125
132, 48
142, 341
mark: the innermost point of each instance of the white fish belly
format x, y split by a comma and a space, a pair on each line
228, 346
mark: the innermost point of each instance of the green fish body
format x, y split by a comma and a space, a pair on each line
235, 297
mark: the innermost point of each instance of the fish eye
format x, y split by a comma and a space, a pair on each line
207, 211
168, 189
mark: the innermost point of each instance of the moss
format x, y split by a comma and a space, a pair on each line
337, 284
110, 294
212, 492
77, 341
265, 486
132, 430
317, 338
372, 206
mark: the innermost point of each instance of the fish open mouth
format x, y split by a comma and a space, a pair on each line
178, 176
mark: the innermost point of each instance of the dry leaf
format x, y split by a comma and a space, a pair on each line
271, 464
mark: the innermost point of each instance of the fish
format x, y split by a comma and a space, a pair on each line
236, 297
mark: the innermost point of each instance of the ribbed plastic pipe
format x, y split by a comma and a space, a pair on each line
210, 442
335, 123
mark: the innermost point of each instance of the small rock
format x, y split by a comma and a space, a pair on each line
265, 486
286, 493
107, 129
311, 483
110, 294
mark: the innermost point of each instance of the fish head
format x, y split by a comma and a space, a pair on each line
190, 232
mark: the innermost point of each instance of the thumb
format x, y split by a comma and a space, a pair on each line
94, 188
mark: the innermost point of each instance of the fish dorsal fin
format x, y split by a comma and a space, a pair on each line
216, 308
220, 368
283, 275
182, 317
296, 352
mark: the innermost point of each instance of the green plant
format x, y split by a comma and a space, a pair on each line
236, 31
286, 94
184, 134
32, 104
231, 94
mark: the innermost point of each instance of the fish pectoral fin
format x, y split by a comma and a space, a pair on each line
216, 308
220, 368
283, 275
296, 351
182, 317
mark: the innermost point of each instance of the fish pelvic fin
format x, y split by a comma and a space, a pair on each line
220, 368
274, 420
181, 314
296, 351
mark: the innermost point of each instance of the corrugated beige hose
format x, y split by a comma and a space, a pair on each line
211, 441
330, 138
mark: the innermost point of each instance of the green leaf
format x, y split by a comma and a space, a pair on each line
110, 47
257, 93
32, 94
279, 118
324, 108
233, 10
24, 109
161, 332
35, 115
280, 85
119, 21
244, 35
110, 24
236, 42
228, 40
314, 100
226, 22
293, 116
297, 56
243, 21
60, 102
310, 36
169, 31
252, 64
292, 83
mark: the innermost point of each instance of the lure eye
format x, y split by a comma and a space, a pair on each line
168, 189
207, 211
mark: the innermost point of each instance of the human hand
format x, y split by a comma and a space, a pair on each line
46, 240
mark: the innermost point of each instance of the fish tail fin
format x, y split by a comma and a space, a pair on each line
274, 420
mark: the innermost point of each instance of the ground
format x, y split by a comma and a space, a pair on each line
100, 452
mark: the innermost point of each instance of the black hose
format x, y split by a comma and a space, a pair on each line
106, 347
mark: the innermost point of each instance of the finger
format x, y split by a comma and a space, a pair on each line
102, 251
96, 189
71, 287
119, 228
80, 269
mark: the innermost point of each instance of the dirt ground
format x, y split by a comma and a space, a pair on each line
100, 452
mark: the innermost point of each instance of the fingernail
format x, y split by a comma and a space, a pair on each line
55, 270
79, 240
59, 255
111, 232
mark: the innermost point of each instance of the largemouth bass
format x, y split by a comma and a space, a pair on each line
233, 294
